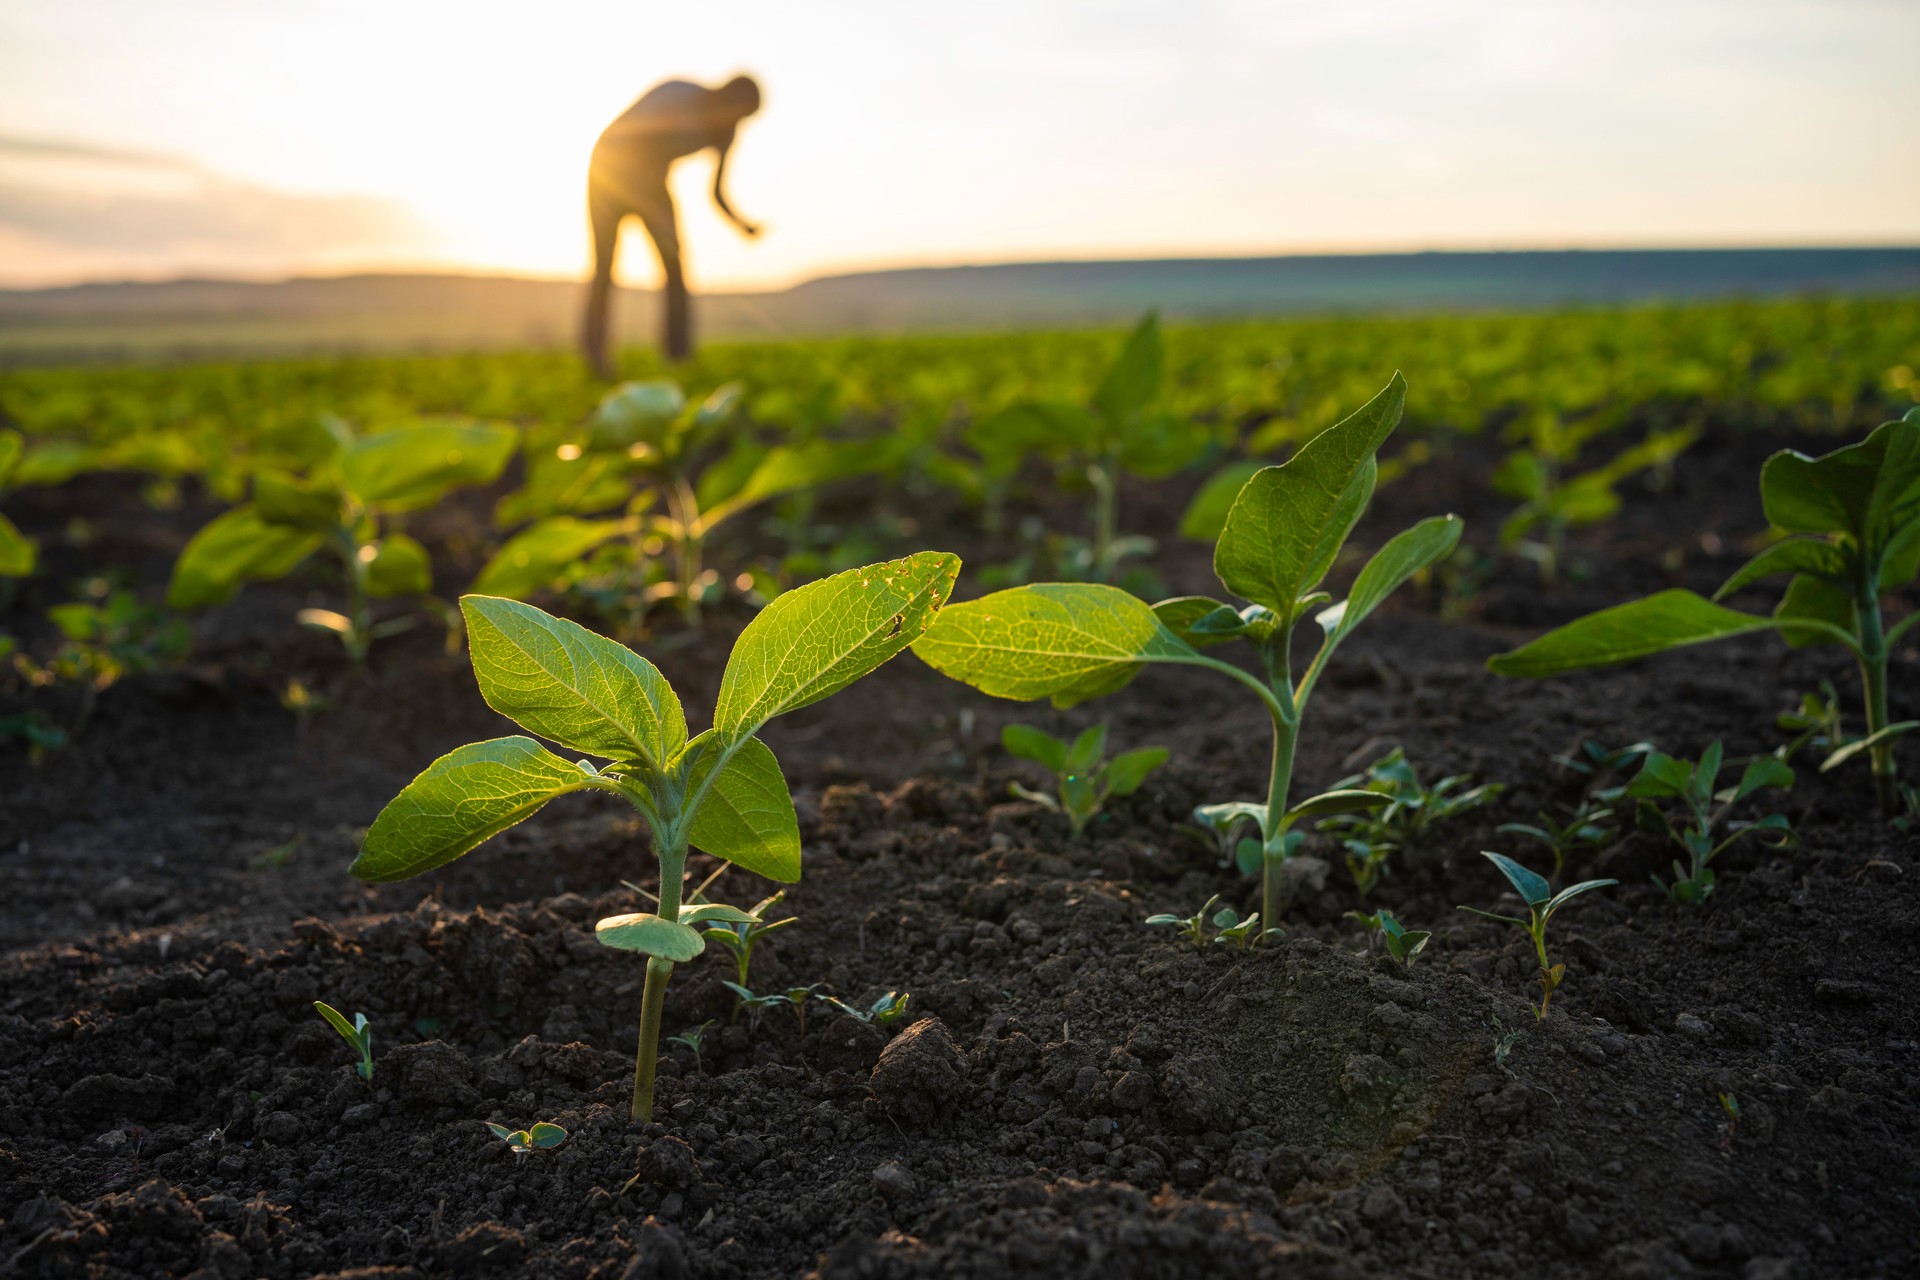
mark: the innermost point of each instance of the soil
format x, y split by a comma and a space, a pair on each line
1074, 1093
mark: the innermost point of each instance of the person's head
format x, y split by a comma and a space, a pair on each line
741, 96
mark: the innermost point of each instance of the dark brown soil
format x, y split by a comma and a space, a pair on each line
1078, 1094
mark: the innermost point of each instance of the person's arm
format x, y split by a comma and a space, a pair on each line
719, 189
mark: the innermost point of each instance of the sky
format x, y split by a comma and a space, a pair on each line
260, 138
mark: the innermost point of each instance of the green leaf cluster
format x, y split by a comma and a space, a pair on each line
345, 500
1074, 641
1849, 526
1541, 902
1084, 777
1705, 830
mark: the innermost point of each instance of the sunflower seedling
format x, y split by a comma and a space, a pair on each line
1074, 641
794, 997
885, 1011
1371, 836
1541, 902
1402, 944
721, 791
1084, 777
1704, 830
691, 1039
738, 938
523, 1142
358, 1035
1850, 522
1587, 827
1235, 932
1194, 927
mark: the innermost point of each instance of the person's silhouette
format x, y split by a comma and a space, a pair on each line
628, 175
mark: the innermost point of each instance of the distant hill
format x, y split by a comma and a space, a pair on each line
182, 318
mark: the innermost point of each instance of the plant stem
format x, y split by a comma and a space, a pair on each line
654, 997
359, 608
1273, 862
686, 511
1873, 675
1105, 514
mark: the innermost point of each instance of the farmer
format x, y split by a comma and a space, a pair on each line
628, 175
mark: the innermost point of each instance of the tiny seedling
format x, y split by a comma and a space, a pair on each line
1730, 1106
691, 1039
739, 937
887, 1010
1194, 927
1596, 764
1074, 641
794, 997
358, 1035
524, 1142
1588, 826
1541, 902
1370, 836
1850, 526
1402, 944
1704, 830
1235, 932
1552, 502
1084, 778
103, 638
346, 500
672, 472
721, 791
1818, 723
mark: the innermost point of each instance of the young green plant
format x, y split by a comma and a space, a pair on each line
1074, 641
1371, 836
1850, 522
720, 791
1705, 831
739, 938
350, 492
1553, 502
357, 1034
884, 1011
1084, 779
1541, 902
524, 1142
1402, 944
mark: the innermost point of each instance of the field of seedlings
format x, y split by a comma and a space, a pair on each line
1419, 796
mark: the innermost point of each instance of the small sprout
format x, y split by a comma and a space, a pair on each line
1541, 902
885, 1011
1595, 762
1588, 825
522, 1142
1704, 831
1237, 932
1194, 927
692, 1038
358, 1034
1817, 724
755, 1005
1084, 778
739, 937
1730, 1105
1402, 944
1371, 835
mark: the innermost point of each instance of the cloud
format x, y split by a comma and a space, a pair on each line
72, 209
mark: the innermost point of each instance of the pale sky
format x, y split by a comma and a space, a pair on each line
150, 138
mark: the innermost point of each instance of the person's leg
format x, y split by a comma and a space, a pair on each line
657, 215
605, 215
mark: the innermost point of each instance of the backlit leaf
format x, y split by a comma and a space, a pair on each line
1666, 620
234, 548
538, 555
399, 568
415, 466
747, 814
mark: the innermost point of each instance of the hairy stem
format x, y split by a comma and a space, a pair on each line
653, 997
1276, 655
1873, 676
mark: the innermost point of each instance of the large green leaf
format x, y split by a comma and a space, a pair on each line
1289, 521
1132, 382
559, 680
52, 462
399, 567
280, 498
1792, 555
636, 413
1405, 554
1206, 515
235, 548
1066, 641
747, 814
1813, 600
815, 640
461, 799
17, 552
11, 443
415, 466
1667, 620
1854, 489
539, 554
